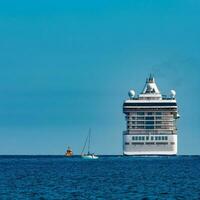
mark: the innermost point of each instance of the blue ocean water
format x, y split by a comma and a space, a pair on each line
109, 177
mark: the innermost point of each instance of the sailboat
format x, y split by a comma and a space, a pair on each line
88, 155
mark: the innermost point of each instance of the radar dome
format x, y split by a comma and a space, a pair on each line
173, 93
131, 94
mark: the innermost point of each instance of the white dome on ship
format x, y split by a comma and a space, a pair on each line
173, 93
131, 94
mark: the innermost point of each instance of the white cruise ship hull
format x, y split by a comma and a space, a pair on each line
150, 122
150, 147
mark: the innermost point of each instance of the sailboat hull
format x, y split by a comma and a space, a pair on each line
89, 157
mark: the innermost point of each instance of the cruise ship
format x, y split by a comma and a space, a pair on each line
151, 122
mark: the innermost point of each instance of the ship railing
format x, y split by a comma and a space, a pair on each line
164, 132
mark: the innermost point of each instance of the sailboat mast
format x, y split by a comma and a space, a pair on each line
84, 145
89, 141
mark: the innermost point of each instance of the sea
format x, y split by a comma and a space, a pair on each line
109, 177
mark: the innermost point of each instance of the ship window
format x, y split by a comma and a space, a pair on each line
152, 138
158, 122
162, 143
133, 127
158, 117
158, 113
149, 143
140, 122
133, 117
172, 143
149, 118
159, 127
140, 127
163, 137
137, 143
166, 138
140, 118
159, 138
133, 138
136, 137
139, 138
149, 122
126, 143
143, 138
147, 137
156, 138
149, 113
149, 127
140, 113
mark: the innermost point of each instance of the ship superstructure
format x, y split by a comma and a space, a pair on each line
151, 122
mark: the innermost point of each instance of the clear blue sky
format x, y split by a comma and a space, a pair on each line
66, 66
